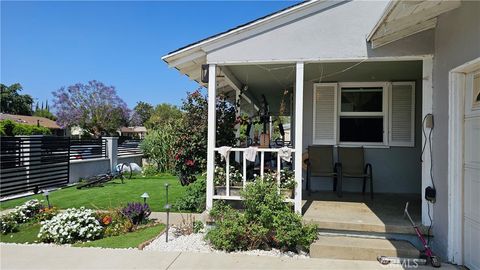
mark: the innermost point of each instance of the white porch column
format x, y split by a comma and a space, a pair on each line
298, 135
211, 133
427, 105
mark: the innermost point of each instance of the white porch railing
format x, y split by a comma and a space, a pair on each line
262, 152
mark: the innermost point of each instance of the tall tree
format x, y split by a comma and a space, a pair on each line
141, 113
163, 114
93, 106
14, 103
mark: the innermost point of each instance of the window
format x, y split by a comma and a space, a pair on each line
361, 114
369, 114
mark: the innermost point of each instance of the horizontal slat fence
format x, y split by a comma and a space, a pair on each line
33, 163
129, 147
88, 148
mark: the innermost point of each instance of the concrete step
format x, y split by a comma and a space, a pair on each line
358, 248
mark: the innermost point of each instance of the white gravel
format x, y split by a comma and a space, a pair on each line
195, 243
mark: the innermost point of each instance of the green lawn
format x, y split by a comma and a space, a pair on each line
27, 234
129, 240
113, 194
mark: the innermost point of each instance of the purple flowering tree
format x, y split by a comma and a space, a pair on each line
94, 107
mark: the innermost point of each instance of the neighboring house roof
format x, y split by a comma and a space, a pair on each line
405, 18
31, 120
137, 129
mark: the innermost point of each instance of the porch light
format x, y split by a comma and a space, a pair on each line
46, 194
204, 73
145, 197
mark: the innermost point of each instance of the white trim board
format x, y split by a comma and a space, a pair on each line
456, 109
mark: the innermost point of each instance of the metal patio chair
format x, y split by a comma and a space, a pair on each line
352, 163
320, 163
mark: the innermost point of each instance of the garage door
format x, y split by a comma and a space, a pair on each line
471, 219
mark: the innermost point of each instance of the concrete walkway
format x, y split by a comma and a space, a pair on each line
15, 256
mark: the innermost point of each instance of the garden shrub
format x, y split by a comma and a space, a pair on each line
27, 211
158, 147
136, 212
12, 128
149, 170
8, 224
266, 222
197, 226
114, 223
194, 198
191, 138
46, 213
71, 226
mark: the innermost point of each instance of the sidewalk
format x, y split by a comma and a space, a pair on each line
55, 257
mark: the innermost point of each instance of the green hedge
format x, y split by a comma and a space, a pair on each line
11, 128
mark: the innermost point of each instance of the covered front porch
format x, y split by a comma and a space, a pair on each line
265, 96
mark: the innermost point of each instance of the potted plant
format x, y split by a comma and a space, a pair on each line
235, 179
287, 183
219, 180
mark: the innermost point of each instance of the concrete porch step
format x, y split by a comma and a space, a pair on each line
357, 248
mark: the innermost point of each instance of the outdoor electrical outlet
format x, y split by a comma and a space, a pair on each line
429, 121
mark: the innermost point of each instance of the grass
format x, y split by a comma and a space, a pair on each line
27, 234
129, 240
113, 194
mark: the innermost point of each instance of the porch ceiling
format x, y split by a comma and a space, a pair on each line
272, 80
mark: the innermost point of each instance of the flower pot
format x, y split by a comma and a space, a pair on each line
235, 190
221, 190
287, 193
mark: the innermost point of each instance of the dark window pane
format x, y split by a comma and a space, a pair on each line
362, 99
361, 129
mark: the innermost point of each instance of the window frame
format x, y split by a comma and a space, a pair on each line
384, 113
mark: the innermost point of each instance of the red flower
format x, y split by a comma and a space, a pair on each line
189, 162
107, 220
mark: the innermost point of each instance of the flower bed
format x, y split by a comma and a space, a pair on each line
41, 224
71, 226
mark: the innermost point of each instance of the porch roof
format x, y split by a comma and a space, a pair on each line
405, 18
188, 59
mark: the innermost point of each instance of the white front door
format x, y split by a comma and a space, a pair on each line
471, 167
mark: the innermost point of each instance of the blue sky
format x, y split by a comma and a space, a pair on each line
47, 45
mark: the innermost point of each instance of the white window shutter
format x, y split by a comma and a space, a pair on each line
402, 114
325, 113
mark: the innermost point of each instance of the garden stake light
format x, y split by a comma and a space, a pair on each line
46, 194
167, 207
145, 197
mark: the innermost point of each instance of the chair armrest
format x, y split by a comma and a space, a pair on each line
368, 168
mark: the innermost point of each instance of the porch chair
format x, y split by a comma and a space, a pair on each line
320, 163
352, 163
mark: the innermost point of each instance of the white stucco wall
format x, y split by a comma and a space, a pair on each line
335, 33
457, 40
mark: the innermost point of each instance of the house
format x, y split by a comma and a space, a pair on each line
133, 132
399, 78
34, 121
